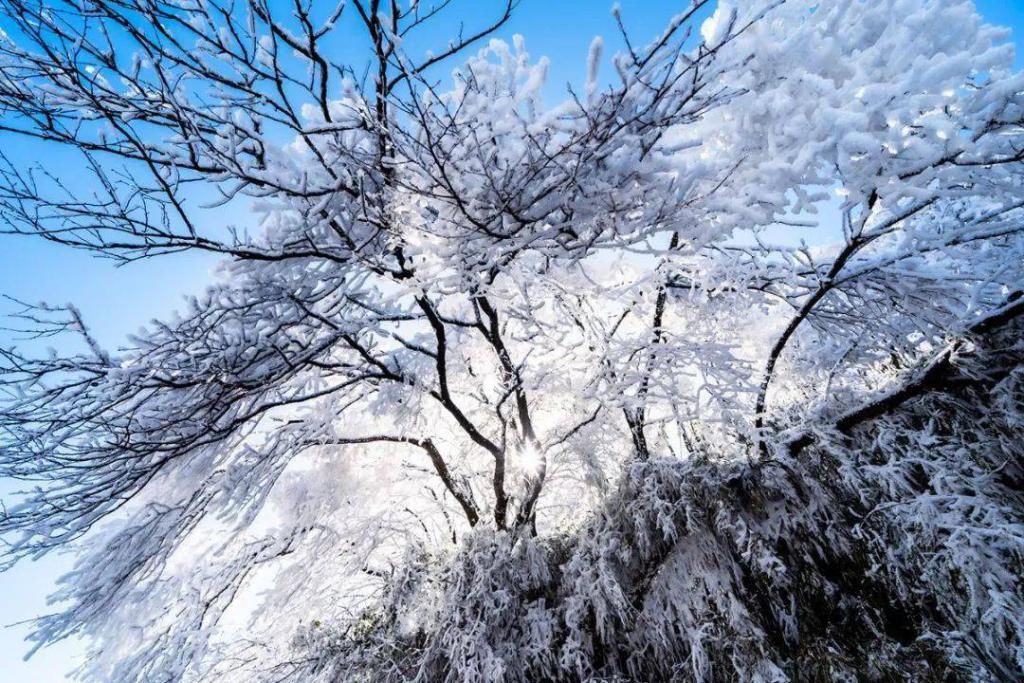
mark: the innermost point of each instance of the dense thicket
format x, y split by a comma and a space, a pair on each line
888, 549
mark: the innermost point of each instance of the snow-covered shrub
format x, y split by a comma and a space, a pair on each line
893, 552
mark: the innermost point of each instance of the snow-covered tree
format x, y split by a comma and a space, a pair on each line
498, 385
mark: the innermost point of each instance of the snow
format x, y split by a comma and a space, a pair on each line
498, 388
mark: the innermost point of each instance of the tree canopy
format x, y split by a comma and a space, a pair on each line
466, 320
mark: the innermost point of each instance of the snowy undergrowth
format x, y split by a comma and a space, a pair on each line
892, 553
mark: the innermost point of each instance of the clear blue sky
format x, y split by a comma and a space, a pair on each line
116, 301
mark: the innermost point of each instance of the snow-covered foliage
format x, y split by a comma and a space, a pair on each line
890, 553
504, 385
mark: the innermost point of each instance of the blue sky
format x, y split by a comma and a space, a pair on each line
116, 301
